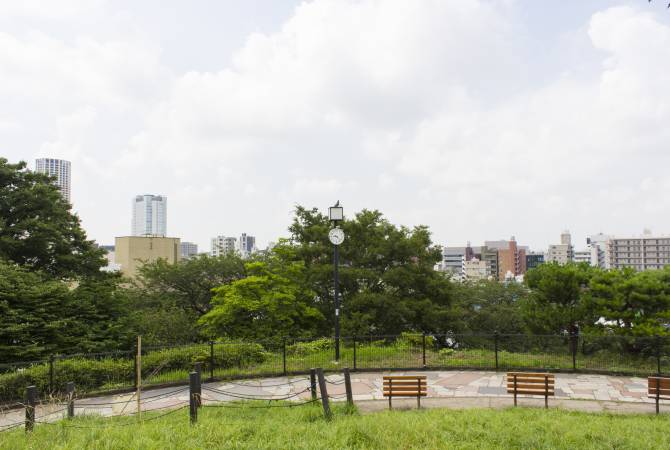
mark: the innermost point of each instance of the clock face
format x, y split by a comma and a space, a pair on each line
336, 236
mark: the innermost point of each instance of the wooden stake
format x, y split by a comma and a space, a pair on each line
138, 381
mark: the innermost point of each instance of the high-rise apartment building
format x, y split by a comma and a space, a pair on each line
188, 249
641, 253
476, 270
597, 244
562, 253
222, 245
511, 260
246, 245
58, 168
582, 256
534, 259
452, 261
149, 215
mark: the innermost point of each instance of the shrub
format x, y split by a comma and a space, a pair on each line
309, 347
407, 340
446, 352
116, 371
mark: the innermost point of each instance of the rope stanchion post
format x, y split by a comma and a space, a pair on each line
347, 385
324, 394
69, 389
283, 351
354, 352
31, 400
211, 360
192, 396
198, 370
312, 382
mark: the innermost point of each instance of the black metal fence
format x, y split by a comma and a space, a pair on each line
117, 371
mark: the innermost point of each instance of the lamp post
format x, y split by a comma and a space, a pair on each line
336, 236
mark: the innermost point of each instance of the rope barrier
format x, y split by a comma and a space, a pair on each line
144, 399
234, 406
252, 396
289, 383
113, 424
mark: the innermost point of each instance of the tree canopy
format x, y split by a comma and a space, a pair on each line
37, 229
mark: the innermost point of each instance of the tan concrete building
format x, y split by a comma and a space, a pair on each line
133, 251
475, 270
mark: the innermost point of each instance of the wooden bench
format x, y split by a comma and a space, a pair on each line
659, 388
405, 386
529, 383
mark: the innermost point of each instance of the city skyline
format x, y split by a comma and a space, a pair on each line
527, 121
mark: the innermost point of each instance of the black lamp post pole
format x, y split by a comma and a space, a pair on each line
336, 263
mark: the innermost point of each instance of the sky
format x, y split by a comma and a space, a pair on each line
482, 119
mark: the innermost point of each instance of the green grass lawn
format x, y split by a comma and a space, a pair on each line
305, 428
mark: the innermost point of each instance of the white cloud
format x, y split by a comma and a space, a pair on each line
433, 111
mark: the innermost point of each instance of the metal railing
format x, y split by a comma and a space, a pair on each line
116, 371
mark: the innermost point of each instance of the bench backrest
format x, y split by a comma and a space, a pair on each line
663, 384
405, 386
531, 383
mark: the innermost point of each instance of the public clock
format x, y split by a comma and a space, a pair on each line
336, 236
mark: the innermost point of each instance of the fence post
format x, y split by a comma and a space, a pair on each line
354, 352
31, 400
283, 351
324, 394
423, 349
495, 347
573, 344
211, 360
198, 370
193, 396
312, 382
135, 368
51, 373
69, 388
658, 354
347, 386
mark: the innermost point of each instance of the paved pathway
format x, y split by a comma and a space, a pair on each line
456, 389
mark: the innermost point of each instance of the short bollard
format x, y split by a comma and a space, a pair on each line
324, 394
193, 396
347, 386
198, 370
312, 382
31, 401
69, 389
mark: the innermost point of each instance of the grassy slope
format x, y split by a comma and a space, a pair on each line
305, 428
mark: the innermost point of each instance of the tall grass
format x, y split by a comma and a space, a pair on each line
305, 428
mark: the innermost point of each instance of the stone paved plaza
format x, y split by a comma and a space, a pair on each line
450, 389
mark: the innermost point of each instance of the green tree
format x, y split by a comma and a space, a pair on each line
489, 306
189, 283
556, 302
387, 278
37, 228
631, 303
272, 301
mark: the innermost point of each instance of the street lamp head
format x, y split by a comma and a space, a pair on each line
336, 213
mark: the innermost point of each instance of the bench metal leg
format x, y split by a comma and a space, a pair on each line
390, 403
514, 390
658, 394
546, 392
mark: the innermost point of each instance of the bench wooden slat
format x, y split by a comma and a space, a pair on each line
530, 385
531, 377
537, 391
405, 388
406, 383
406, 394
664, 382
404, 377
661, 392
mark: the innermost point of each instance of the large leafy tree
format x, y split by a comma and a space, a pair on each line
556, 303
387, 277
272, 301
631, 303
189, 283
37, 228
489, 306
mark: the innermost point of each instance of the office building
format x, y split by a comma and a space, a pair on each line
222, 245
476, 270
534, 259
58, 168
646, 252
597, 244
188, 250
246, 245
511, 260
131, 252
562, 253
452, 261
582, 256
149, 215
